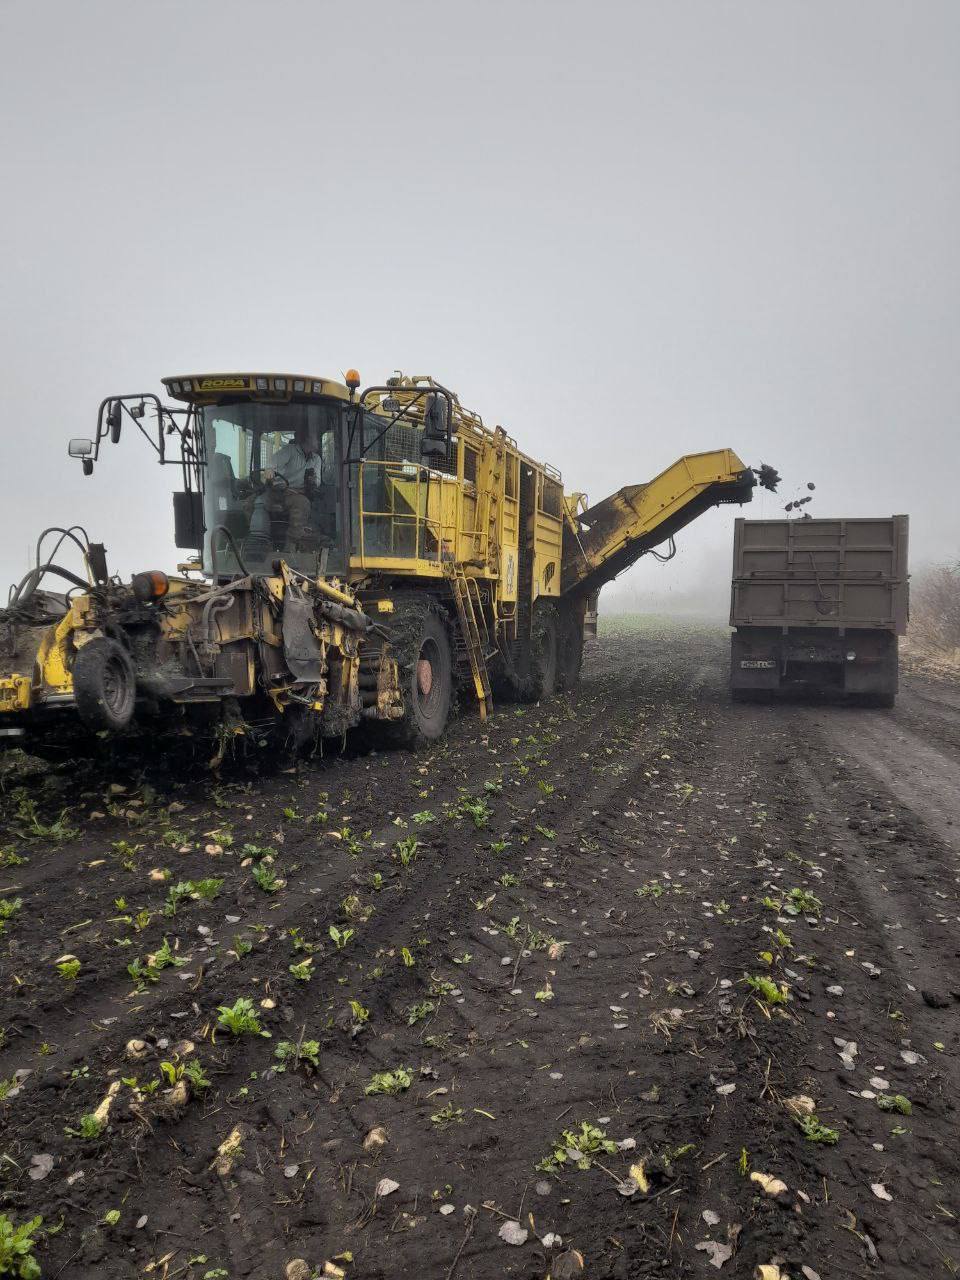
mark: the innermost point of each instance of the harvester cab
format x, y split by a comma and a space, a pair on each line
260, 459
272, 464
361, 554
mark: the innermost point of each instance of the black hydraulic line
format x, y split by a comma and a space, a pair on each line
222, 528
671, 552
64, 534
27, 586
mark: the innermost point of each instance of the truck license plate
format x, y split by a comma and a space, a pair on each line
764, 664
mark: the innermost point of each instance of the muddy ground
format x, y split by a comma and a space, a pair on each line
595, 948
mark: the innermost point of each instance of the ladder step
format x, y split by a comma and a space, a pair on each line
469, 644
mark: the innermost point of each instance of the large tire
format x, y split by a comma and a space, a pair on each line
420, 642
530, 669
571, 651
104, 685
544, 660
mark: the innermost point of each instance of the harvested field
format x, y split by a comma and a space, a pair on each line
555, 990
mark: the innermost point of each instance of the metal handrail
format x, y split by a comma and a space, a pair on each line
453, 532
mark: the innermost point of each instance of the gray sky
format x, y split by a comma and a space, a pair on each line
626, 231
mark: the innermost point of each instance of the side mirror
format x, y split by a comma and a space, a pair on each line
115, 421
80, 448
436, 418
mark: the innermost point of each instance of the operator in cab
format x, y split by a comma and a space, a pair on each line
291, 480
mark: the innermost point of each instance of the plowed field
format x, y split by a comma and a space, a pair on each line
635, 982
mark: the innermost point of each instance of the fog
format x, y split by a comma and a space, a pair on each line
624, 231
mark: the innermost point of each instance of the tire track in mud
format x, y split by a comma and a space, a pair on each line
889, 954
449, 913
664, 784
140, 1015
453, 916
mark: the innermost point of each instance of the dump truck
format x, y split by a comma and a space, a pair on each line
356, 559
818, 606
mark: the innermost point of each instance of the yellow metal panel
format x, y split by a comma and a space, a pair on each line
635, 512
51, 656
509, 551
15, 694
547, 549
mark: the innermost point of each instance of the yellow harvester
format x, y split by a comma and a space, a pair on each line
358, 556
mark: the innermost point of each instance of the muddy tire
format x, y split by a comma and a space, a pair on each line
544, 655
570, 659
104, 685
421, 644
530, 670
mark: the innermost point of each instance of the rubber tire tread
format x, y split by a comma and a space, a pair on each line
570, 657
410, 621
544, 666
89, 672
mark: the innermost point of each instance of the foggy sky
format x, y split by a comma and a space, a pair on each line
624, 231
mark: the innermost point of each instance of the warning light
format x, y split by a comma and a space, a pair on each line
153, 585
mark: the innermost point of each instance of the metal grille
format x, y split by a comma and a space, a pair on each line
552, 499
400, 443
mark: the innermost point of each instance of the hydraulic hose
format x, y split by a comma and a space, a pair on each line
27, 586
216, 604
222, 528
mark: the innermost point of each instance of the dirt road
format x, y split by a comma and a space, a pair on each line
567, 992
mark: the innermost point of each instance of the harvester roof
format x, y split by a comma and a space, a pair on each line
204, 388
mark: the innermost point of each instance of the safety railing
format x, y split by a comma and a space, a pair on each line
393, 504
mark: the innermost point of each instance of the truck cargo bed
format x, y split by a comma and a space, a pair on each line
818, 606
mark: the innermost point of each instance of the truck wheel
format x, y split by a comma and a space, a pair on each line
884, 700
746, 695
104, 685
421, 645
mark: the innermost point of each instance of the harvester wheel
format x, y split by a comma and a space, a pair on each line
530, 669
421, 645
104, 685
571, 650
544, 653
